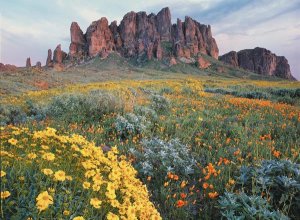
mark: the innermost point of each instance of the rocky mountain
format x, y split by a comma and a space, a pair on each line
259, 60
143, 36
139, 36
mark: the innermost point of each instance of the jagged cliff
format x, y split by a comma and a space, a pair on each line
259, 60
137, 35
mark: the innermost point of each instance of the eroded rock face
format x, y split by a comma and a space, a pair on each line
230, 58
28, 62
59, 55
141, 35
99, 37
259, 60
78, 41
164, 24
190, 37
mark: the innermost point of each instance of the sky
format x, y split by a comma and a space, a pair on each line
28, 28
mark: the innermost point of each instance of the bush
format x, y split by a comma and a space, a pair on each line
157, 158
45, 175
15, 115
279, 180
166, 90
242, 206
130, 125
159, 103
83, 107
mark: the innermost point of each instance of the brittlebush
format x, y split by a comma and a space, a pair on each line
50, 173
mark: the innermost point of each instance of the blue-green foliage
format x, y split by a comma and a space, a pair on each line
158, 157
277, 179
10, 114
241, 206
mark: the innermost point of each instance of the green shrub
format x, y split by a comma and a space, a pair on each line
130, 125
10, 114
83, 107
279, 180
242, 206
158, 157
159, 103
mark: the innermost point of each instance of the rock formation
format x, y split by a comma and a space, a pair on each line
202, 63
59, 55
38, 65
7, 67
49, 58
99, 37
28, 62
78, 41
230, 58
141, 35
259, 60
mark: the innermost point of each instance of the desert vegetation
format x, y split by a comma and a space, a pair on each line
194, 148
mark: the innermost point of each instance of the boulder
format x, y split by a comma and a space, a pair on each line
172, 61
38, 65
202, 63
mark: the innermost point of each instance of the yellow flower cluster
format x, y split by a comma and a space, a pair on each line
108, 179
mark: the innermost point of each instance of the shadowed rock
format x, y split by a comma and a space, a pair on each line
259, 60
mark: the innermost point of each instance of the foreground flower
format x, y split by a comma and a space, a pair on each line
13, 141
112, 216
5, 194
2, 173
60, 175
48, 156
47, 172
180, 203
95, 203
86, 185
213, 195
66, 213
78, 218
43, 201
32, 156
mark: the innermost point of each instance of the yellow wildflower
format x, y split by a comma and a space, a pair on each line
60, 175
66, 213
95, 203
86, 185
48, 156
47, 171
4, 194
43, 201
13, 141
32, 156
2, 173
112, 216
78, 218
